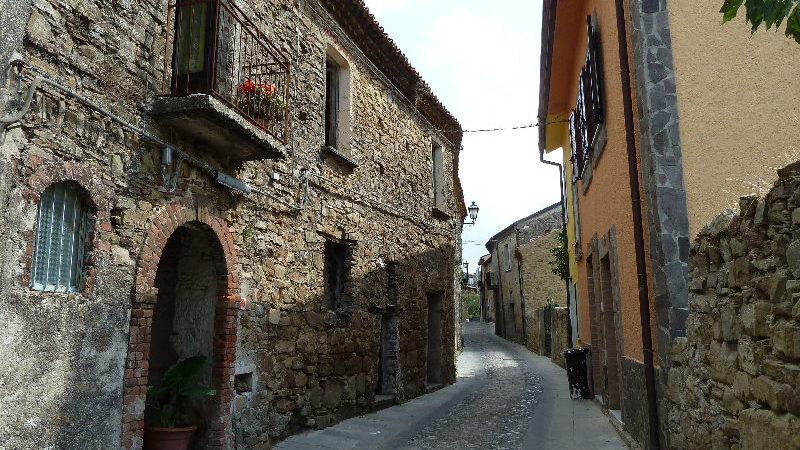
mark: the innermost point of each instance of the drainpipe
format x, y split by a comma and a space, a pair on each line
638, 228
561, 180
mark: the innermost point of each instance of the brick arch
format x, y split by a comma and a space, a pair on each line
89, 176
162, 226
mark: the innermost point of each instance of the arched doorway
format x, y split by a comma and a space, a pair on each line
190, 275
186, 303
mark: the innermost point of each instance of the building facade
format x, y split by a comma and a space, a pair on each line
511, 302
630, 96
259, 183
486, 286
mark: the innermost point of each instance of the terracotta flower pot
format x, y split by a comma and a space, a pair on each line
158, 438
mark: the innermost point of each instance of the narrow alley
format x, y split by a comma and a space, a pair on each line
505, 398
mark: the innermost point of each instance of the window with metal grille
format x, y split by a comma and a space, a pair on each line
62, 229
588, 113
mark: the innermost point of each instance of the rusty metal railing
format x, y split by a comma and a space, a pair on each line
213, 47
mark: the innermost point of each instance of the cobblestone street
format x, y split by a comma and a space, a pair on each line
505, 398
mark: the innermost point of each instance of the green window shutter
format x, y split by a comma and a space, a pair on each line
61, 231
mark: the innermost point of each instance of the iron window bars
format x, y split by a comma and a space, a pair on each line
62, 231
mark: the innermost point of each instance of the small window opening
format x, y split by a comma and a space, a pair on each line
243, 382
438, 176
335, 273
337, 102
62, 231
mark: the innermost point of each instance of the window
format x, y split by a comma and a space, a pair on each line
62, 229
507, 257
337, 102
336, 255
191, 58
588, 113
437, 175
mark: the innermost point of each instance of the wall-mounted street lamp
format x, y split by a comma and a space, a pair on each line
473, 213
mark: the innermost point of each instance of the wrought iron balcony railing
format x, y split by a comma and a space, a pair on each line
212, 47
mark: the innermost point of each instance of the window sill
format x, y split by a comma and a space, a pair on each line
439, 213
330, 152
206, 119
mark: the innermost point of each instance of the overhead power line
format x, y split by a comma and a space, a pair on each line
488, 130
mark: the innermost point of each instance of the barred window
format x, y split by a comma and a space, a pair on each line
588, 113
62, 229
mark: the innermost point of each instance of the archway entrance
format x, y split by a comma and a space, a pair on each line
186, 304
188, 278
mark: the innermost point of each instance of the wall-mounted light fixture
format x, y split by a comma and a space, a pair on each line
473, 213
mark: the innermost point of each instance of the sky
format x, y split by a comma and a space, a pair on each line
481, 59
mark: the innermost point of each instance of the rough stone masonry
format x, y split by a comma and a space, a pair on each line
76, 364
735, 377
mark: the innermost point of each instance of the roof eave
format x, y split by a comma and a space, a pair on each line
548, 31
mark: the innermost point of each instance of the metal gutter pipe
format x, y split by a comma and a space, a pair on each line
638, 229
561, 181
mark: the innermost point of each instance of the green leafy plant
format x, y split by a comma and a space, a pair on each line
559, 262
260, 101
177, 391
472, 302
769, 12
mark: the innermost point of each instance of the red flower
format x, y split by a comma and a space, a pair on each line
247, 86
269, 88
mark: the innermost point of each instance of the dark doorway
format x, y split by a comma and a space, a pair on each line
434, 360
388, 365
187, 278
608, 325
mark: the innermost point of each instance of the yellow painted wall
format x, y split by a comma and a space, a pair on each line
738, 102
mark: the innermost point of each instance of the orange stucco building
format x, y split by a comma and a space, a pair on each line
584, 76
616, 78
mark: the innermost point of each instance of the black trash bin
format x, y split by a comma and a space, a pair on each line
576, 372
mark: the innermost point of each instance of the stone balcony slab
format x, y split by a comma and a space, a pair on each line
213, 125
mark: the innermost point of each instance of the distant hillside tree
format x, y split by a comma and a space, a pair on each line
769, 12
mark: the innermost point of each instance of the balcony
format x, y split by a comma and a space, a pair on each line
225, 86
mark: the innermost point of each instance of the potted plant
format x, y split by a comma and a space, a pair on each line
260, 101
169, 403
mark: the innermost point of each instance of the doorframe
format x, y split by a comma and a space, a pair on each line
145, 295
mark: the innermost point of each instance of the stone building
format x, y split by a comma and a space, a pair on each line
541, 287
261, 183
506, 267
486, 286
636, 95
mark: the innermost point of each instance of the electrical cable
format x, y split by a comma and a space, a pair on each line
489, 130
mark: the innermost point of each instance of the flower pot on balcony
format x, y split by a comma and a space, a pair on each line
161, 438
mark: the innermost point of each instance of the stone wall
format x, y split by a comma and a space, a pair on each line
735, 376
510, 299
78, 363
539, 283
559, 330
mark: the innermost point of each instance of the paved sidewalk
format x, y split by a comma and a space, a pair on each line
548, 418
